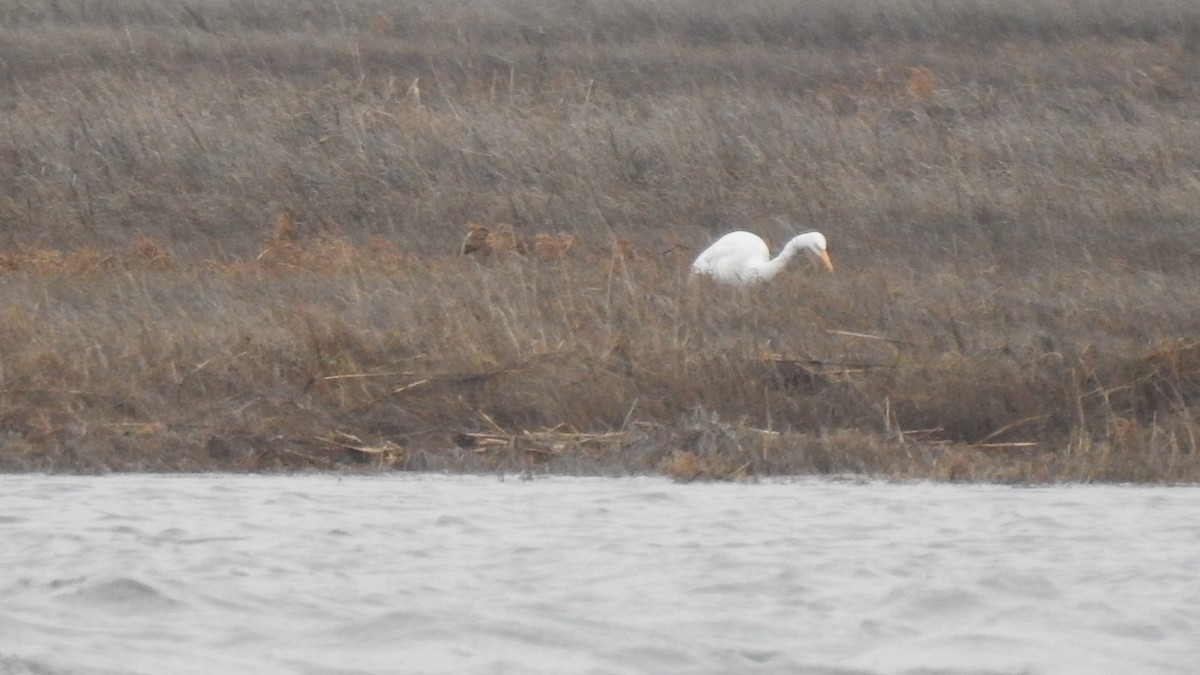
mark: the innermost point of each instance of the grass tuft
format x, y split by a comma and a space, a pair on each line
233, 238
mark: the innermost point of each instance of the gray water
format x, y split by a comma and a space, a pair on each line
441, 574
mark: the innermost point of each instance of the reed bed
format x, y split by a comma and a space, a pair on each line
232, 237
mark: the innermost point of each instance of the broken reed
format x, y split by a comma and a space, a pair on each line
231, 238
327, 353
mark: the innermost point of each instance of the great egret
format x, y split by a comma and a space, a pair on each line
743, 258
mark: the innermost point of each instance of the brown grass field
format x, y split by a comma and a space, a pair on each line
230, 237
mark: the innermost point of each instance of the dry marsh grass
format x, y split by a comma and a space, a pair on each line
232, 237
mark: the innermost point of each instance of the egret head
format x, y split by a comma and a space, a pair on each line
816, 244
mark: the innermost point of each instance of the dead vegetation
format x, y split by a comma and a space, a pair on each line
233, 238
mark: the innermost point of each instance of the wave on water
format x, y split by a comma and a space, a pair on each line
120, 594
444, 574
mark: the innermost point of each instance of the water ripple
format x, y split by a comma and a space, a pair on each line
443, 574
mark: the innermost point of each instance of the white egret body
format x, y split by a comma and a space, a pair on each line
742, 258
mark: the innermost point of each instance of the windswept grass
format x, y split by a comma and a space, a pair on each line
231, 237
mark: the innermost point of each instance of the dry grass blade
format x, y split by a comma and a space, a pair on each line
411, 385
1015, 424
214, 271
868, 336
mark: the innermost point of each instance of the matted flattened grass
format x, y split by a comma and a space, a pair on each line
232, 238
331, 354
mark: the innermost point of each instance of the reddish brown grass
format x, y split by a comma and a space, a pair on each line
231, 238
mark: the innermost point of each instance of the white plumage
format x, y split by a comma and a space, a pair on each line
743, 258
